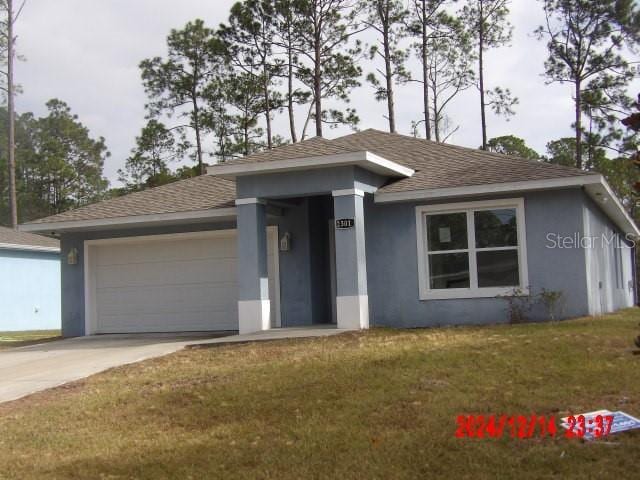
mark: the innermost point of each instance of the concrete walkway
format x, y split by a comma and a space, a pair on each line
26, 370
274, 334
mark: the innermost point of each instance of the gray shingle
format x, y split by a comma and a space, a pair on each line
193, 194
436, 165
24, 239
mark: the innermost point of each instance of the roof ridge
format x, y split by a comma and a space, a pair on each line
451, 146
285, 146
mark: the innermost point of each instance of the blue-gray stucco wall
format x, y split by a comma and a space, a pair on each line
391, 252
297, 184
296, 286
392, 264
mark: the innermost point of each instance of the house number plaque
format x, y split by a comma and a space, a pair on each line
345, 223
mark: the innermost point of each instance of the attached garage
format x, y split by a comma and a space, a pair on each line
168, 283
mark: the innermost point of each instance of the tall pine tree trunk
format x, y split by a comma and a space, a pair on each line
267, 106
196, 128
292, 121
388, 76
317, 86
425, 71
481, 77
436, 117
13, 197
578, 104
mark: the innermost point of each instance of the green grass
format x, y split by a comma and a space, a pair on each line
20, 339
376, 404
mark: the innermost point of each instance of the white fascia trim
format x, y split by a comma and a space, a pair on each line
250, 201
363, 159
29, 248
603, 195
577, 181
136, 220
348, 191
595, 186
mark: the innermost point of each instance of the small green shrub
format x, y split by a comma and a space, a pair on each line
519, 304
552, 301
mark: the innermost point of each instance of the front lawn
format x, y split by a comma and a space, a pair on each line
20, 339
378, 404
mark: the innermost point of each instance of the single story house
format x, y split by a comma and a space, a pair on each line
29, 281
371, 228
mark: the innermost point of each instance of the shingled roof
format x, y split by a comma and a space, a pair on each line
436, 165
13, 239
193, 194
441, 165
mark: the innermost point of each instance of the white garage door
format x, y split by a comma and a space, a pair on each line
168, 283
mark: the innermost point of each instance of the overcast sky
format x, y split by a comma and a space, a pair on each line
86, 52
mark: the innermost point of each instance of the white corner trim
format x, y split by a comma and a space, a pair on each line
593, 306
426, 293
348, 191
135, 220
28, 248
250, 201
253, 316
90, 307
363, 159
352, 312
529, 185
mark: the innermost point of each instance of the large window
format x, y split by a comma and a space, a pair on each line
473, 249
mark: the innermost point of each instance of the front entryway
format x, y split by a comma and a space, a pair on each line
169, 283
323, 271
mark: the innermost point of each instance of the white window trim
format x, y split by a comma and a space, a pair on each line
427, 293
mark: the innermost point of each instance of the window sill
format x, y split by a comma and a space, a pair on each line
460, 293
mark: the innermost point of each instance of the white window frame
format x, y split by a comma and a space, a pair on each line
426, 293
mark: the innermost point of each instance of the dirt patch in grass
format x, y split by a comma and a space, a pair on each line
376, 404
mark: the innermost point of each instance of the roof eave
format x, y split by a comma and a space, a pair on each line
603, 195
594, 184
134, 221
363, 159
29, 248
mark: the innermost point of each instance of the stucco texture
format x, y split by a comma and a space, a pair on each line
391, 257
29, 290
392, 265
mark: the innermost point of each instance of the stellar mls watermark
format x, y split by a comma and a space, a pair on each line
578, 240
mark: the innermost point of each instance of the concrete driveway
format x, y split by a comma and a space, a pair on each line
26, 370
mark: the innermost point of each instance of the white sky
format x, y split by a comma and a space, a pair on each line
86, 53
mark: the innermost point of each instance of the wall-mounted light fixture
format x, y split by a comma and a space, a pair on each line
285, 242
72, 257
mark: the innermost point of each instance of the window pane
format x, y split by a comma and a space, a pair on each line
496, 228
498, 268
449, 270
447, 231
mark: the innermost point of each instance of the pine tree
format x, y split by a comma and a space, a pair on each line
586, 42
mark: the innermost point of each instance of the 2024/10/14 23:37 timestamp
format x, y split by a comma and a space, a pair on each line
522, 426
